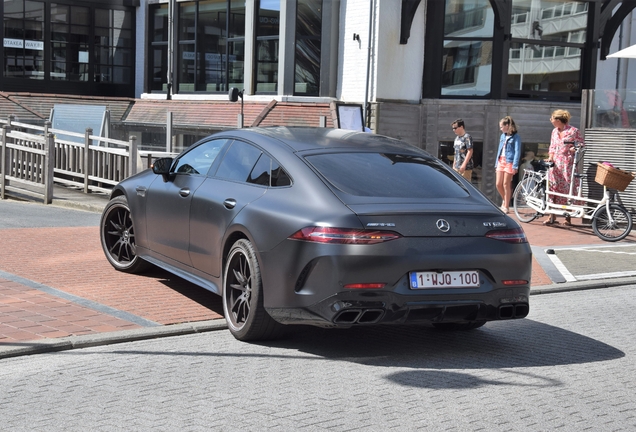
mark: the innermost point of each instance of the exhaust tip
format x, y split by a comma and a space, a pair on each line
347, 316
359, 316
506, 311
371, 316
510, 311
522, 310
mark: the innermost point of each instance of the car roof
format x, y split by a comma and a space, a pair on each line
301, 139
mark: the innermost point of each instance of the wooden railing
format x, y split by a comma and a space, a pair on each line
34, 161
27, 160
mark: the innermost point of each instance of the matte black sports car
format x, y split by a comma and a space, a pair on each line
319, 226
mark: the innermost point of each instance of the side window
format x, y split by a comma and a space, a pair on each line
238, 161
199, 159
268, 172
279, 176
260, 173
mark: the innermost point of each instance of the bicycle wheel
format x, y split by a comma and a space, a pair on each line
524, 212
616, 229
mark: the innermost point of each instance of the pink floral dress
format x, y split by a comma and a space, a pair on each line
563, 158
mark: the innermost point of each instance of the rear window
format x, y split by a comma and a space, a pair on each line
387, 175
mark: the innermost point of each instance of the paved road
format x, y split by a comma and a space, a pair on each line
597, 261
17, 214
569, 366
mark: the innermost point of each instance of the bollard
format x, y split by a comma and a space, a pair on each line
49, 168
87, 157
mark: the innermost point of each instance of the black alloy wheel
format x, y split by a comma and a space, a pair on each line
117, 234
246, 317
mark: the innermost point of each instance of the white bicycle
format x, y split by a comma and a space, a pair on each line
531, 199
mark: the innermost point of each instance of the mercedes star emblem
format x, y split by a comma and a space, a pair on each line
442, 225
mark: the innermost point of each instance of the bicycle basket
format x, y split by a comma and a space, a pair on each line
612, 178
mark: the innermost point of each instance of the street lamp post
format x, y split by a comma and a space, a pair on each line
234, 94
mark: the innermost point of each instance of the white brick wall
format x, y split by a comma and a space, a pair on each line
396, 72
399, 67
352, 61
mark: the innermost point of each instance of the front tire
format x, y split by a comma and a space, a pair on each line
524, 212
117, 235
243, 307
613, 231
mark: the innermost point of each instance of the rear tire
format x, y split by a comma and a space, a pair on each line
612, 231
243, 296
524, 212
117, 235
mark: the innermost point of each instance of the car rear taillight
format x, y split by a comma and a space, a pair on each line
365, 286
343, 235
509, 282
515, 235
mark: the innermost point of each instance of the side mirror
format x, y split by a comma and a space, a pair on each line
233, 94
162, 166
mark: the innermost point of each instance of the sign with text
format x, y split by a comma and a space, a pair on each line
27, 44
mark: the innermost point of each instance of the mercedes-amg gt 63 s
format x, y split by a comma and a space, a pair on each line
326, 227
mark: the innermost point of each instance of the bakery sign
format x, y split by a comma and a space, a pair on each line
21, 43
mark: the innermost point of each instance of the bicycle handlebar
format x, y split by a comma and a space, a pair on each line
574, 143
542, 165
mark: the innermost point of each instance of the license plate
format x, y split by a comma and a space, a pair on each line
449, 279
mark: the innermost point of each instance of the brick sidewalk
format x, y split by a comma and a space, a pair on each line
561, 235
71, 260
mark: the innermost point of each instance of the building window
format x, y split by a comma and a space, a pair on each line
308, 39
210, 48
70, 38
236, 45
468, 46
75, 45
158, 53
113, 46
23, 39
548, 38
267, 42
188, 57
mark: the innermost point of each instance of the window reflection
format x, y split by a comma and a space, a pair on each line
546, 49
158, 47
467, 54
267, 35
238, 161
547, 19
467, 68
24, 39
308, 39
205, 55
70, 33
472, 18
113, 46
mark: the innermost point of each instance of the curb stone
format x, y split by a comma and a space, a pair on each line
85, 341
583, 285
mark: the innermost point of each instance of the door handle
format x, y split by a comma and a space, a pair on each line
229, 203
141, 191
184, 192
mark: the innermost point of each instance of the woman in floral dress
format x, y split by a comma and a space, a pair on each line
561, 152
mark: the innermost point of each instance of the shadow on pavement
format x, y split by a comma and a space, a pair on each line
194, 292
503, 344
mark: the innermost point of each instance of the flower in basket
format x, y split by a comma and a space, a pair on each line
608, 164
